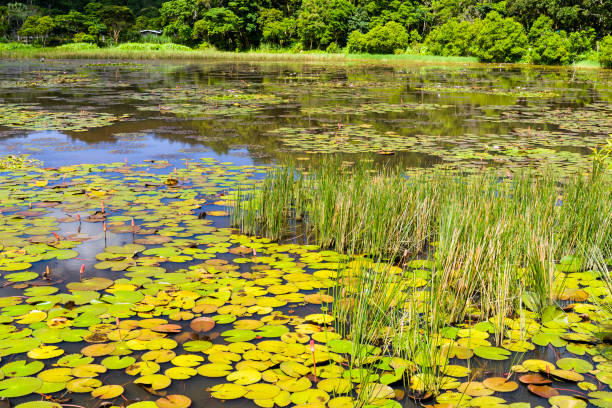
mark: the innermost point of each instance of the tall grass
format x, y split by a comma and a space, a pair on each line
481, 232
491, 246
173, 51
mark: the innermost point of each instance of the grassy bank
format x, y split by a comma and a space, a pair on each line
178, 53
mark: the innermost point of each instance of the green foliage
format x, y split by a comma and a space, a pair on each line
275, 28
547, 45
453, 38
38, 27
11, 46
333, 48
178, 18
322, 22
72, 23
220, 27
4, 21
491, 30
385, 39
605, 52
408, 14
152, 47
116, 19
553, 48
83, 38
500, 39
581, 41
79, 45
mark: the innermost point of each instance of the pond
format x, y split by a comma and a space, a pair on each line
124, 281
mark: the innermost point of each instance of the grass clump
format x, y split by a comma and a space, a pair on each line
480, 232
434, 252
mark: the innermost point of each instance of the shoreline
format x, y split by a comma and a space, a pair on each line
263, 56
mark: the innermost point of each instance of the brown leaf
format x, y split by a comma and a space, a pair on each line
543, 391
534, 379
202, 324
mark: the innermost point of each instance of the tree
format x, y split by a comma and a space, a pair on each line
404, 12
116, 19
605, 52
71, 23
322, 22
568, 15
276, 29
4, 21
547, 45
380, 40
453, 38
500, 39
17, 14
219, 26
39, 27
178, 18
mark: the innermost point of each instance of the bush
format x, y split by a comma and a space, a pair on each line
605, 52
381, 39
152, 47
452, 38
355, 42
500, 39
553, 48
333, 48
11, 46
83, 38
80, 46
581, 42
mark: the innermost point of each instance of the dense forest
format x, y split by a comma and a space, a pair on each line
537, 31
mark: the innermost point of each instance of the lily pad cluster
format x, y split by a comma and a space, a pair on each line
33, 117
523, 147
372, 108
518, 92
192, 101
170, 295
47, 79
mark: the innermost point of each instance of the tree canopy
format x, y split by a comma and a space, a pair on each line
540, 31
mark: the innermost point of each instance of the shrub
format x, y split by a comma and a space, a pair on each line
152, 47
173, 47
333, 48
605, 52
355, 42
500, 39
452, 38
83, 38
380, 39
79, 46
582, 41
11, 46
553, 48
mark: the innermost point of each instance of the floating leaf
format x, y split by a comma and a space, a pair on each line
19, 386
228, 391
107, 392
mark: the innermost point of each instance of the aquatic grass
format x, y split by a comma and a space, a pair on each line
168, 53
483, 231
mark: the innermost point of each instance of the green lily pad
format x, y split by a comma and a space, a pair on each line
19, 386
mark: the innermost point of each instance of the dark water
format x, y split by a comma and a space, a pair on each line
453, 117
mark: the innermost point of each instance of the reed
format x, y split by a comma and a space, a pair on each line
178, 53
432, 250
481, 232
